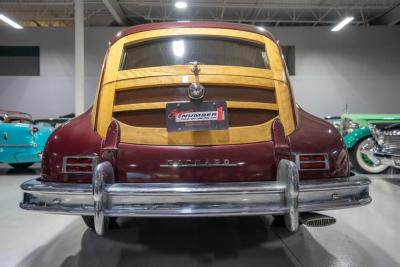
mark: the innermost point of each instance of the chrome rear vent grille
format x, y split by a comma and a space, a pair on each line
79, 164
391, 142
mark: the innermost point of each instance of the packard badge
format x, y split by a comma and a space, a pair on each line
188, 163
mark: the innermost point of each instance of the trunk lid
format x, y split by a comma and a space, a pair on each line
246, 162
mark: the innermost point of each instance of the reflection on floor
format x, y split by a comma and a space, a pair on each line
365, 236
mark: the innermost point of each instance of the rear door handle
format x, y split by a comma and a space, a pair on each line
5, 136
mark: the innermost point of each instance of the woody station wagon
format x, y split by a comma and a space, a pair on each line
194, 119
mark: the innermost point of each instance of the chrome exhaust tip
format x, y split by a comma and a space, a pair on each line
312, 219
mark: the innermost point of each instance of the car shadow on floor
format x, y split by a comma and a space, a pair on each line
245, 241
240, 241
230, 242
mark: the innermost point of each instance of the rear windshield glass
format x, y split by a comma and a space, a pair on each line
184, 50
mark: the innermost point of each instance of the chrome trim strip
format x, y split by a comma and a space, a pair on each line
18, 145
199, 163
385, 154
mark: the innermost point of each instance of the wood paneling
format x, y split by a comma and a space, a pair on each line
162, 105
156, 118
116, 81
176, 94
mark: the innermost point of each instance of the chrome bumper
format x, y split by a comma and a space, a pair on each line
286, 196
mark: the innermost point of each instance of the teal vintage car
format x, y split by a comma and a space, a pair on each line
21, 142
364, 148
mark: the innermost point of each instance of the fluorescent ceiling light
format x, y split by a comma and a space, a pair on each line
10, 22
181, 4
342, 24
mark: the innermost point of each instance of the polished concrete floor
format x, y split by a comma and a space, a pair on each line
366, 236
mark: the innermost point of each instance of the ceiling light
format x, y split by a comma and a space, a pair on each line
342, 24
181, 4
10, 22
178, 47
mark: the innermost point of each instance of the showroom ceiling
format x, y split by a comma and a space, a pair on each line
60, 13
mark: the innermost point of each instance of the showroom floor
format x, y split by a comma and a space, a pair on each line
366, 236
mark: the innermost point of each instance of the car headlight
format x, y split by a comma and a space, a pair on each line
349, 126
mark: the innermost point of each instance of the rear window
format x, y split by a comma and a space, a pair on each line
184, 50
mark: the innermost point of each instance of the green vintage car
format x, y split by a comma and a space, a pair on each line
373, 140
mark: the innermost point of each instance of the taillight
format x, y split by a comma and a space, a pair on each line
310, 162
79, 164
34, 130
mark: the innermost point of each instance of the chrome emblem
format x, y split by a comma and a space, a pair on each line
188, 163
195, 68
196, 91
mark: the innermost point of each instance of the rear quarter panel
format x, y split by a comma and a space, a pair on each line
74, 138
17, 144
314, 135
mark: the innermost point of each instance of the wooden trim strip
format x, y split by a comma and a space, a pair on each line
185, 80
176, 70
252, 105
161, 105
180, 93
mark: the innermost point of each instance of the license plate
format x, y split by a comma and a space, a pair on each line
196, 116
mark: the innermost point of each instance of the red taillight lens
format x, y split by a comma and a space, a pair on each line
74, 168
79, 160
79, 164
312, 165
34, 130
312, 158
313, 162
